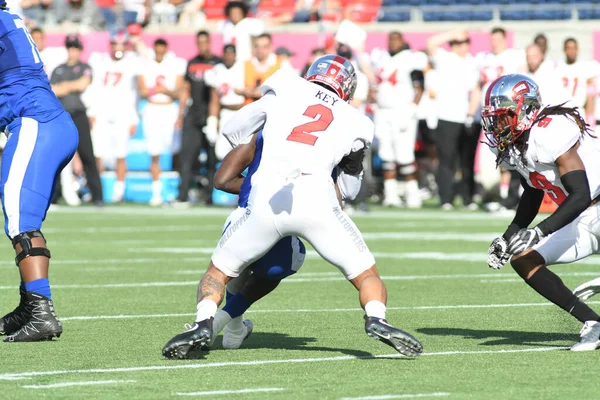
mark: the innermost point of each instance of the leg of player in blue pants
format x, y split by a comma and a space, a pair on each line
34, 155
283, 260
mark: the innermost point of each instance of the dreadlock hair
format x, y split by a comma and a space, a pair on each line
571, 113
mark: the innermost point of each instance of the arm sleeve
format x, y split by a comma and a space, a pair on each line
576, 183
527, 209
249, 119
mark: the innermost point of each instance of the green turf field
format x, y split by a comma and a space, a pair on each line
125, 278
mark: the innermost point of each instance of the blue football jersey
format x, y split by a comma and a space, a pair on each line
24, 87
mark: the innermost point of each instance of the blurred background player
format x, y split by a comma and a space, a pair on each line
193, 113
69, 81
52, 57
578, 81
239, 30
113, 111
398, 95
160, 82
42, 138
224, 79
491, 65
262, 65
457, 101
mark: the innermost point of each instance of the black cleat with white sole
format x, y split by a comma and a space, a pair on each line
13, 321
195, 338
43, 324
404, 343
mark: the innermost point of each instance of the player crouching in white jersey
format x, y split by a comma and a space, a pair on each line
306, 132
160, 82
553, 151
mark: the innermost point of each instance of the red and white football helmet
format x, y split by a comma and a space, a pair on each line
512, 103
336, 73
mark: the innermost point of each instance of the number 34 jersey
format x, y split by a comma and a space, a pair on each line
24, 87
548, 140
306, 128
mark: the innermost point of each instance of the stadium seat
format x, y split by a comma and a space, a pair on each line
394, 16
214, 9
362, 11
276, 7
589, 14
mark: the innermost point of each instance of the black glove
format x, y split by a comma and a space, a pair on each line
524, 239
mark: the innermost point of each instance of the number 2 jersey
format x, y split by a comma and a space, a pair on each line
548, 140
306, 129
24, 87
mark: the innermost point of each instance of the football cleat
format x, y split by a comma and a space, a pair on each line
590, 337
233, 339
403, 342
13, 321
43, 323
196, 337
587, 289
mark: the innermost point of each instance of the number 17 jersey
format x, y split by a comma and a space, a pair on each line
24, 87
549, 139
307, 128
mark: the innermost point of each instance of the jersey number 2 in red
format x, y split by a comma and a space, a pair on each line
302, 133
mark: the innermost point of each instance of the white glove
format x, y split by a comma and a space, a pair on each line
524, 239
497, 254
469, 122
211, 129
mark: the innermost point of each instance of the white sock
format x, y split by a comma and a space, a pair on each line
412, 187
375, 308
156, 189
390, 189
221, 319
236, 324
118, 190
205, 309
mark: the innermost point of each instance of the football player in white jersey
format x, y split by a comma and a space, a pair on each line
553, 150
577, 81
223, 79
307, 128
491, 65
160, 80
113, 110
398, 95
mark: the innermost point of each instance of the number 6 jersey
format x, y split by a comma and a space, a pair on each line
548, 140
306, 128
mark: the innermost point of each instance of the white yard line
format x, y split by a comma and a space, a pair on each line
135, 229
323, 310
214, 211
221, 392
170, 366
398, 396
71, 384
491, 276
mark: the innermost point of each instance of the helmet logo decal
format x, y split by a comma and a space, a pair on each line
520, 89
332, 71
